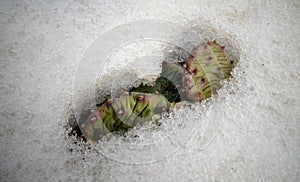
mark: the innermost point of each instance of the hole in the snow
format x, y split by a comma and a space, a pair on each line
190, 78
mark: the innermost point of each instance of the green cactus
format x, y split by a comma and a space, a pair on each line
201, 74
194, 80
120, 114
208, 65
197, 78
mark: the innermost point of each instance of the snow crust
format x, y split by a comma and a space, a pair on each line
249, 132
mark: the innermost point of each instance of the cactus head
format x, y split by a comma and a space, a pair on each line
209, 65
198, 78
120, 114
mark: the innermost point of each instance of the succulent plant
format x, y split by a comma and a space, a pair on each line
120, 114
208, 65
194, 80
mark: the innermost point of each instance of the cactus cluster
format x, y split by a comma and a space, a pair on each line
194, 80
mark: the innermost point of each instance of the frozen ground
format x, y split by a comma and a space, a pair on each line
43, 42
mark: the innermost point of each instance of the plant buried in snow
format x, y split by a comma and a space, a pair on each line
123, 113
198, 78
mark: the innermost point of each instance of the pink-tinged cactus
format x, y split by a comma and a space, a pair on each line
198, 78
201, 75
123, 113
208, 65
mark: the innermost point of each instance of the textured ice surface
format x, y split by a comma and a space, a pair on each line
258, 139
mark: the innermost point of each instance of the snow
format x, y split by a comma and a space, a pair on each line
249, 132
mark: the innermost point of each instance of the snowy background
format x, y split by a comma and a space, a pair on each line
258, 138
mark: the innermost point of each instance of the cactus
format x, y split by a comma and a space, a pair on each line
120, 114
208, 65
194, 80
198, 78
201, 74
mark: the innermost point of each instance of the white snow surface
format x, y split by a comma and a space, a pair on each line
255, 120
